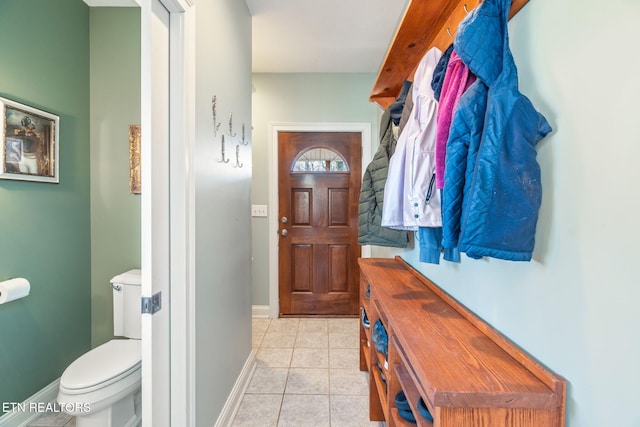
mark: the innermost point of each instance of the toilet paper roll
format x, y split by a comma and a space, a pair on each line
14, 289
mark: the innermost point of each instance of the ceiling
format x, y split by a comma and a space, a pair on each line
327, 36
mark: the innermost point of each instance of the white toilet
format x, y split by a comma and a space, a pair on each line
102, 387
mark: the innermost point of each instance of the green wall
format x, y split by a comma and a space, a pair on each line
45, 228
297, 98
115, 104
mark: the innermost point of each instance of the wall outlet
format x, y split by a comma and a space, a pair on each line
258, 210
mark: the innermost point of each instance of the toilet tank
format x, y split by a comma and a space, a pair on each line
126, 304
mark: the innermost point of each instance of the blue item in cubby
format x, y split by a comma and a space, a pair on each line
380, 338
401, 402
407, 416
424, 411
367, 293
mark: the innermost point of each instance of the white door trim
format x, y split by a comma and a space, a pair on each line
155, 117
182, 213
182, 279
181, 187
363, 127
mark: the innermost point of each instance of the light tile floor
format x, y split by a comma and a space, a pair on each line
307, 375
54, 420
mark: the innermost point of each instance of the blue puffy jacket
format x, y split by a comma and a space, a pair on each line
492, 191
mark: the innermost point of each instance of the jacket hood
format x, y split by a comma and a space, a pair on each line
440, 72
398, 105
385, 124
482, 41
424, 74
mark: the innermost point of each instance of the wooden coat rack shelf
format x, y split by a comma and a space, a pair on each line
426, 23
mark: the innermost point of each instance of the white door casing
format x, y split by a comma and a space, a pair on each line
182, 213
167, 224
167, 257
156, 363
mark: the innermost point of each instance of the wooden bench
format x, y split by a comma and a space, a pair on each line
467, 373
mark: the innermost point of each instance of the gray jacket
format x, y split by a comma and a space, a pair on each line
372, 194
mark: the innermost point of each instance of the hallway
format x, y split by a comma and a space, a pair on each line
307, 375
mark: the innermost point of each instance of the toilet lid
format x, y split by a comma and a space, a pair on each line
103, 365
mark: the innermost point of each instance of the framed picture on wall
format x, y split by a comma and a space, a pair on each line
135, 186
30, 147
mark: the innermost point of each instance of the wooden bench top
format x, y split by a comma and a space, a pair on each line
461, 360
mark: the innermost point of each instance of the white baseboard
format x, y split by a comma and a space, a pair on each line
260, 311
22, 414
232, 404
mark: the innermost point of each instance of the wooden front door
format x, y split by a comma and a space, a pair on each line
319, 175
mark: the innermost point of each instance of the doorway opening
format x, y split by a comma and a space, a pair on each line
330, 278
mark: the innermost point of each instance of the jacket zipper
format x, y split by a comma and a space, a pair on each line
430, 191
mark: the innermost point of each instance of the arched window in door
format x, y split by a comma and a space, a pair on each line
320, 160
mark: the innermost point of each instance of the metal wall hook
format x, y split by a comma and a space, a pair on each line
231, 134
244, 141
222, 160
238, 164
449, 32
216, 125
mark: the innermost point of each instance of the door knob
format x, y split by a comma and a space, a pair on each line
284, 232
284, 220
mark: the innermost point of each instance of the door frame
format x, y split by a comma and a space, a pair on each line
364, 128
182, 188
181, 245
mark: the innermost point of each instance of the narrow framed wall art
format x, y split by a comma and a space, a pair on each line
135, 186
30, 143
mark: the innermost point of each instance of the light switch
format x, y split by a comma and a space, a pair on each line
258, 210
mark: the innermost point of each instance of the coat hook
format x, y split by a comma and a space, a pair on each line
238, 164
223, 160
231, 134
216, 125
465, 9
449, 32
244, 141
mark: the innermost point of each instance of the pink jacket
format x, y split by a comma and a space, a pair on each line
456, 80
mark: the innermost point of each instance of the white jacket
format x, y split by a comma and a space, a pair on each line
410, 196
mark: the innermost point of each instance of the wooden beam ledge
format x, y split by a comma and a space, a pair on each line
424, 25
